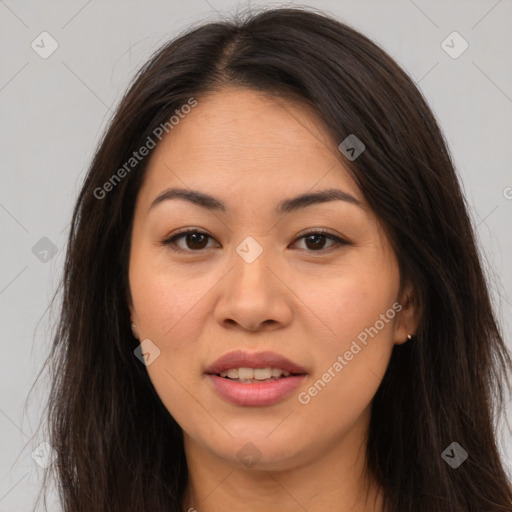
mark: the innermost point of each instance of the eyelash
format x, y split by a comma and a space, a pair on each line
171, 241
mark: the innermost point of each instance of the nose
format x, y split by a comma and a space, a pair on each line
253, 296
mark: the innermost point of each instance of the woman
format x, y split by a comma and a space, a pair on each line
272, 292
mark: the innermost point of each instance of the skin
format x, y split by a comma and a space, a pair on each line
307, 302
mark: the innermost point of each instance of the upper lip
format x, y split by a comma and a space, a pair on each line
241, 359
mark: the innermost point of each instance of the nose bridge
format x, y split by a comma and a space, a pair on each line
251, 262
253, 297
250, 297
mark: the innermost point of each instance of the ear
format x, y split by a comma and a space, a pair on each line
408, 316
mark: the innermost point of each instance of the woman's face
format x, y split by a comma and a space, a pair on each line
250, 281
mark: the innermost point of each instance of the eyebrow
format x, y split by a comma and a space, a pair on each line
286, 206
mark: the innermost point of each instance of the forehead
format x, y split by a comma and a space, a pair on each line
240, 141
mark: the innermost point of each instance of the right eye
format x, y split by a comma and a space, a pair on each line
194, 239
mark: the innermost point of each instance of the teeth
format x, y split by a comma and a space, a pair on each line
262, 373
232, 374
254, 373
276, 372
245, 373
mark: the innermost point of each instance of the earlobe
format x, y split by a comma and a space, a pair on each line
134, 330
407, 320
132, 322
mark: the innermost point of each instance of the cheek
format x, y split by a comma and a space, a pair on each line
357, 308
163, 300
349, 371
166, 310
351, 301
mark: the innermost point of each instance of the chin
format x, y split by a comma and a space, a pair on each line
260, 454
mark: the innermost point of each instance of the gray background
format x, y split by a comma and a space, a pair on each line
54, 110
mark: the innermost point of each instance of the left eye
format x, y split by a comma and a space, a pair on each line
317, 238
197, 240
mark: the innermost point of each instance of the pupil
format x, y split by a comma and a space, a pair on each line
195, 235
316, 244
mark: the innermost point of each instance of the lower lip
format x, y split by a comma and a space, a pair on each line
258, 393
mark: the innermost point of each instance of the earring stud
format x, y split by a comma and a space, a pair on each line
409, 336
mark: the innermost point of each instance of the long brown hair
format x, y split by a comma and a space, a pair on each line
118, 447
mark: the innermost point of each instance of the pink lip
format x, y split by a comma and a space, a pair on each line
257, 393
241, 359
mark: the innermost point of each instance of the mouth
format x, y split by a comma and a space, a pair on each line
255, 379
